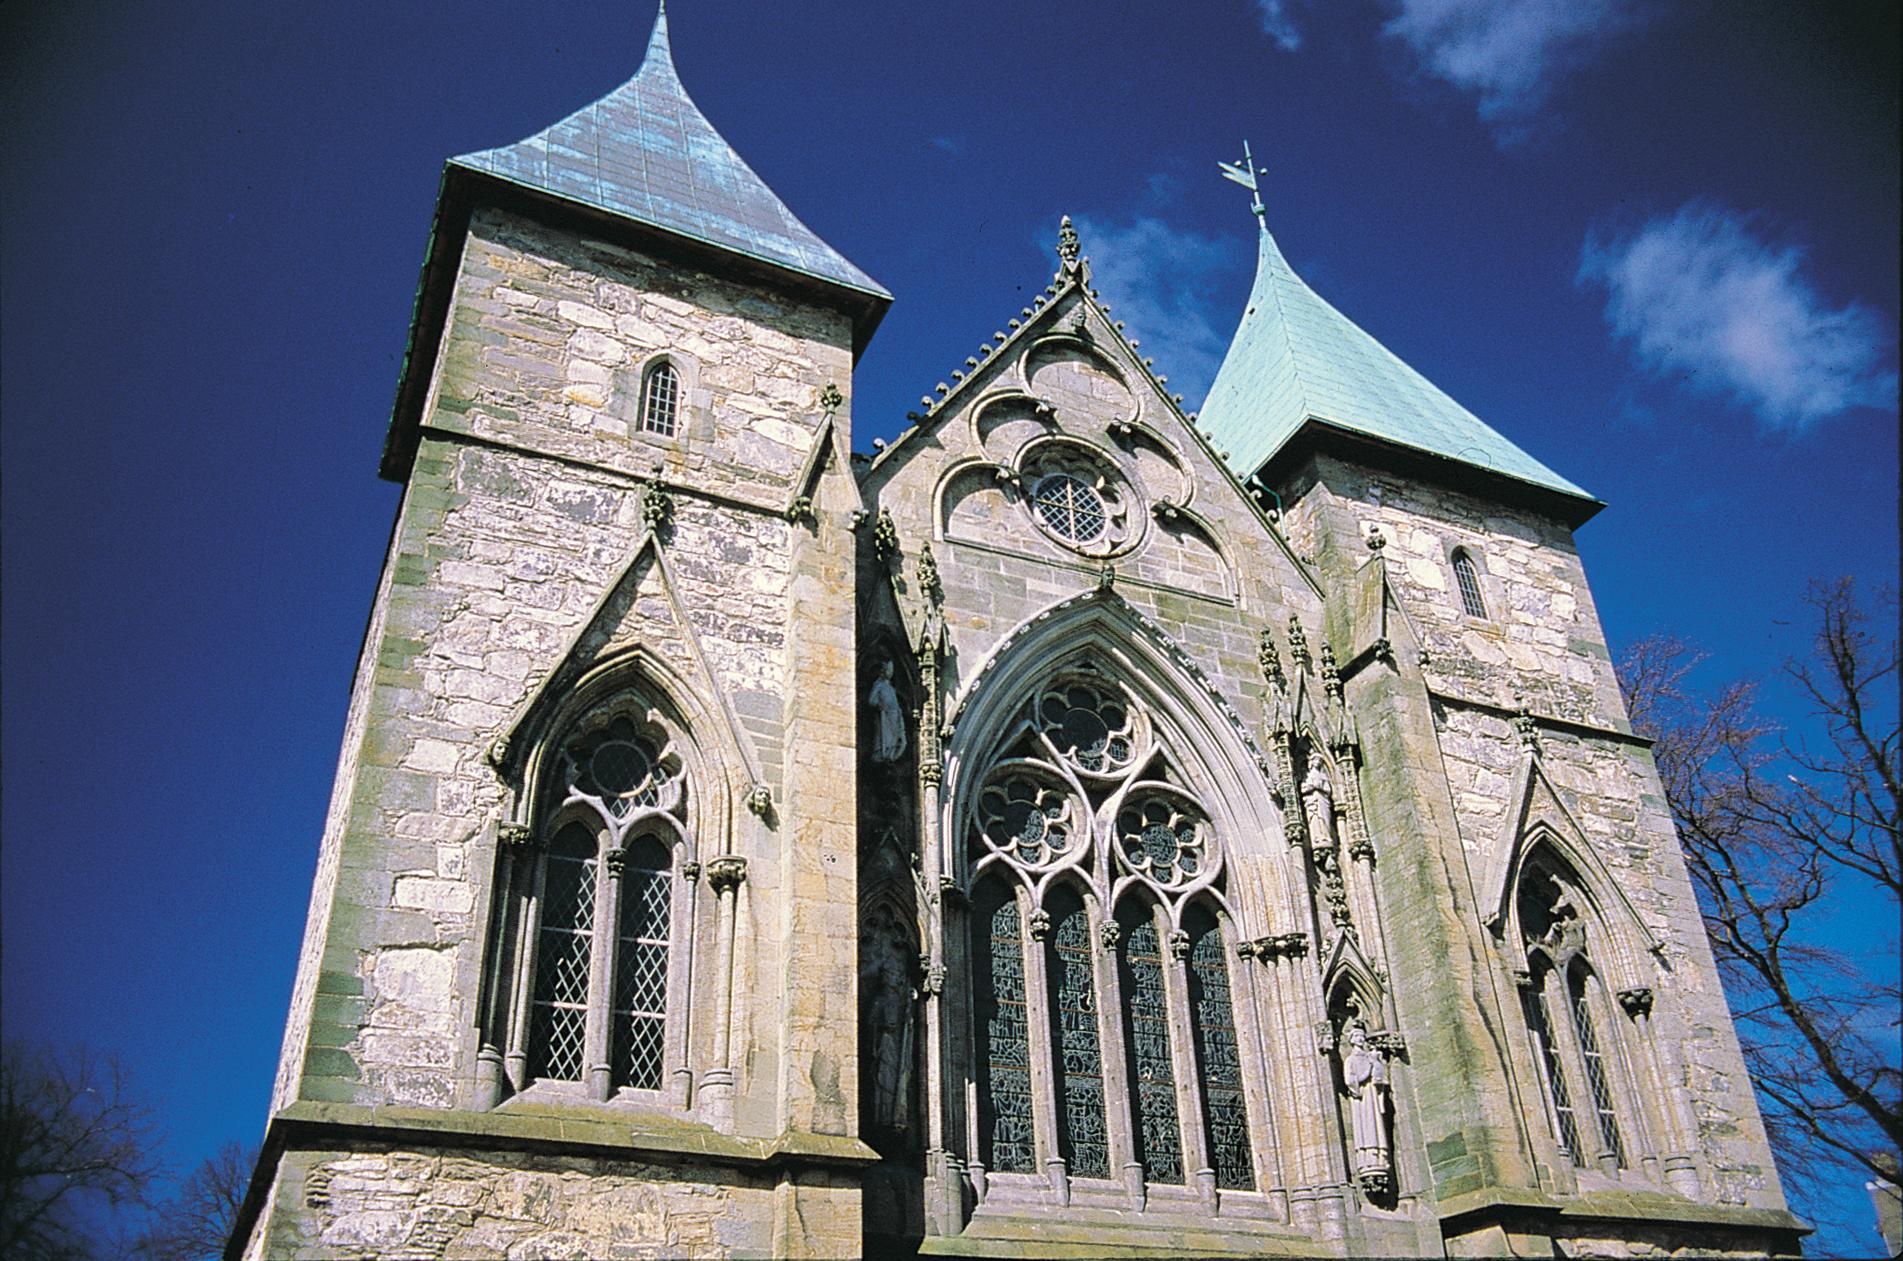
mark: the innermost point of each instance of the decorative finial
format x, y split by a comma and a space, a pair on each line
1527, 726
929, 585
830, 398
1244, 173
1331, 677
1376, 539
885, 537
1271, 660
1068, 246
1297, 642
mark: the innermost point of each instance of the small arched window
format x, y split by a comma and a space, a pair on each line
661, 400
1467, 576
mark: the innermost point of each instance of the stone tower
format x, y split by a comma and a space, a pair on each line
1080, 829
579, 968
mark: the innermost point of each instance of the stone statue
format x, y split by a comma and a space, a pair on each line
1318, 799
888, 720
888, 995
1364, 1072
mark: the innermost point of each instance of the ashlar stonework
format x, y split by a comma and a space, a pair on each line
1049, 836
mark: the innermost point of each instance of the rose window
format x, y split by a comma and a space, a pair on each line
1093, 731
619, 768
1070, 508
1025, 819
1161, 840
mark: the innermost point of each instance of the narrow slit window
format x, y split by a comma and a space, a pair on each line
1467, 574
661, 400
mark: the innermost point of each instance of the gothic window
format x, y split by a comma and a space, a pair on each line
1004, 1033
1212, 1016
1467, 577
586, 978
661, 400
1099, 915
1146, 1038
1580, 1071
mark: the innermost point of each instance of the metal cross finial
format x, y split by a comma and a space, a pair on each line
1244, 173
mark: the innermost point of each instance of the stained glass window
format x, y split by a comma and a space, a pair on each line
1552, 1071
560, 1011
1146, 1033
1004, 1092
1595, 1064
640, 1007
661, 400
1467, 575
1082, 1138
1212, 1017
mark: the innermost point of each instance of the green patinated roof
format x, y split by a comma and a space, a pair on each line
1295, 359
645, 152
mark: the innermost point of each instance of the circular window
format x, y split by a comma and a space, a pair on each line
1070, 508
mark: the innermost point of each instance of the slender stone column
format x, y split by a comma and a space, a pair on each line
724, 877
601, 974
502, 968
516, 1058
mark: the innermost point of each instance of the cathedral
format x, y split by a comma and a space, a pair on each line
1079, 828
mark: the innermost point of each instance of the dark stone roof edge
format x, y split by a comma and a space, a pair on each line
1317, 434
463, 188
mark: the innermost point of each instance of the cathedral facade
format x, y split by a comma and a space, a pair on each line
1081, 828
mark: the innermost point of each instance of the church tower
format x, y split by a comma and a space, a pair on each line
581, 947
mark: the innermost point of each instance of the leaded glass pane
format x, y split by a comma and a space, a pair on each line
640, 1009
1595, 1068
1082, 1138
559, 1013
1468, 576
1070, 508
1146, 1031
660, 400
1212, 1016
1552, 1072
1004, 1092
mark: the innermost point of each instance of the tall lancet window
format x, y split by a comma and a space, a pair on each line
1104, 1014
586, 979
1582, 1067
1467, 578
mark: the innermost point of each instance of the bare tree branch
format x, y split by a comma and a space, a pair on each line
1779, 836
195, 1226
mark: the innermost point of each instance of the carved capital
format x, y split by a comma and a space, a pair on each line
1110, 933
616, 861
1179, 944
930, 772
1637, 1002
515, 836
1294, 945
1040, 924
1389, 1043
691, 870
1361, 848
949, 891
725, 873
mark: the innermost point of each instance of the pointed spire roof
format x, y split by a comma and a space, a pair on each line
645, 152
1298, 364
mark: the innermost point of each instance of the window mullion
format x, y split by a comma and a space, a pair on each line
1037, 1014
1120, 1092
1198, 1162
601, 962
1559, 1026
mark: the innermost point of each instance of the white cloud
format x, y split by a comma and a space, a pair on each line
1157, 279
1510, 53
1699, 296
1278, 25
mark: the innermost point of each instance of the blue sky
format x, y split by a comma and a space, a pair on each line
1655, 244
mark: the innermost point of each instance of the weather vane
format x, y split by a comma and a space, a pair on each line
1244, 173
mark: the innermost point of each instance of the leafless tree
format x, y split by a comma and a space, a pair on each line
76, 1147
1795, 847
196, 1224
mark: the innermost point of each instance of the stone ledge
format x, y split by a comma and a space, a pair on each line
1650, 1208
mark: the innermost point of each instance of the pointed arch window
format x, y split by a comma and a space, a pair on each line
586, 982
1467, 578
1582, 1071
1103, 1009
661, 400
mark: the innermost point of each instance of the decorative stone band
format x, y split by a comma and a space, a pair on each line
1278, 946
1637, 1002
725, 873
